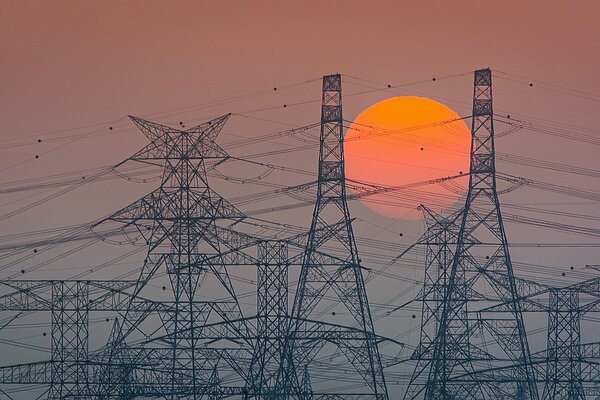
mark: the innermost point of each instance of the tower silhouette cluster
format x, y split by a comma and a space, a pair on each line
182, 332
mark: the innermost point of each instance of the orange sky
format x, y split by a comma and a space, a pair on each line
68, 64
71, 63
78, 67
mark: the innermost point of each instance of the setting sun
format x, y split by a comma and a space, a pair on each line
407, 141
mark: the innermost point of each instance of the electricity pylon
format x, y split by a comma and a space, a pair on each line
70, 302
182, 223
331, 264
439, 240
563, 351
272, 319
497, 362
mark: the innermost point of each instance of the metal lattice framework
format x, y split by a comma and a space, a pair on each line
563, 371
340, 271
440, 241
179, 345
272, 318
567, 368
498, 342
182, 347
179, 221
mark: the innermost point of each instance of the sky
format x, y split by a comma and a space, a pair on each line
80, 67
80, 64
75, 63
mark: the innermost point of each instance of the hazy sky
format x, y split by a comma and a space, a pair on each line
71, 63
77, 67
73, 67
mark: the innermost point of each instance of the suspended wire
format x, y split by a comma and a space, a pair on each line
53, 149
546, 86
373, 247
547, 165
574, 134
400, 85
164, 113
53, 195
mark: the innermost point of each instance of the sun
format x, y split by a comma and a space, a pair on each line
408, 141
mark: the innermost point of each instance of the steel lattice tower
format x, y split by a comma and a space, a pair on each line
498, 349
473, 343
439, 240
331, 262
180, 222
70, 372
70, 324
181, 347
272, 319
563, 353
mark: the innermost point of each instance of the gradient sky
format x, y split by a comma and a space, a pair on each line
68, 65
71, 63
82, 66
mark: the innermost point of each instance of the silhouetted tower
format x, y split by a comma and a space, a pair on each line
307, 393
69, 373
331, 264
439, 240
563, 355
70, 324
499, 344
180, 222
114, 374
214, 384
272, 319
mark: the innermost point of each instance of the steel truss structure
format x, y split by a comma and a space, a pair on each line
194, 340
473, 341
186, 348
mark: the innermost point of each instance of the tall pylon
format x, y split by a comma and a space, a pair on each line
497, 361
331, 263
70, 325
180, 223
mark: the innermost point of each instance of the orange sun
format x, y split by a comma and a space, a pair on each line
408, 141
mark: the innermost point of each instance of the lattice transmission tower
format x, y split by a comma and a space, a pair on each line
439, 240
180, 223
488, 356
331, 266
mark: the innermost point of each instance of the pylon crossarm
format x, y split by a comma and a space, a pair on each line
36, 295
